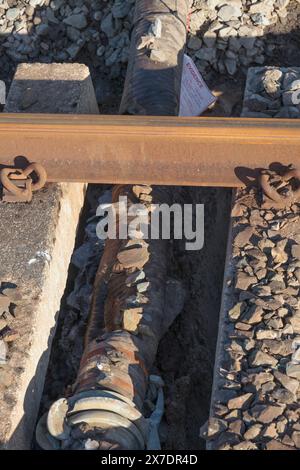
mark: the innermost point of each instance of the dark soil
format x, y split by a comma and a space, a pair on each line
186, 353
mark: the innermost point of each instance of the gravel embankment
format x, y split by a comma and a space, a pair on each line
256, 396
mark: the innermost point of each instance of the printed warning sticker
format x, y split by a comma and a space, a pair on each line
195, 95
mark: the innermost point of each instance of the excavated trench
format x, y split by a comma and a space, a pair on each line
185, 358
186, 353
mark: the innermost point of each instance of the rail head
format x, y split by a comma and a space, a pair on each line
167, 150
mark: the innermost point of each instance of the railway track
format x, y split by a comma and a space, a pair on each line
255, 394
116, 149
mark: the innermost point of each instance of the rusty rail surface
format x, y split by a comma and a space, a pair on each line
148, 149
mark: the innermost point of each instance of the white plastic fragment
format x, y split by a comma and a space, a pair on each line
40, 256
91, 444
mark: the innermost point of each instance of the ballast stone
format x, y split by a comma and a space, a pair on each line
29, 229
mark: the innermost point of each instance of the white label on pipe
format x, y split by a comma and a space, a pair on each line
195, 96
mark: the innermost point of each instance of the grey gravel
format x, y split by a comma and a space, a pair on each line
275, 98
259, 340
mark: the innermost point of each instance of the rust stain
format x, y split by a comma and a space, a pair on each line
148, 149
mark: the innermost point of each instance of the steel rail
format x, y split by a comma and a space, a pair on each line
148, 149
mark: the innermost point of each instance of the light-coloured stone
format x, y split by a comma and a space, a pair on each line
132, 318
229, 12
240, 402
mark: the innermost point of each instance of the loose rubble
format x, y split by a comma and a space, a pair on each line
57, 31
231, 33
272, 92
257, 382
10, 298
95, 32
256, 390
224, 37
